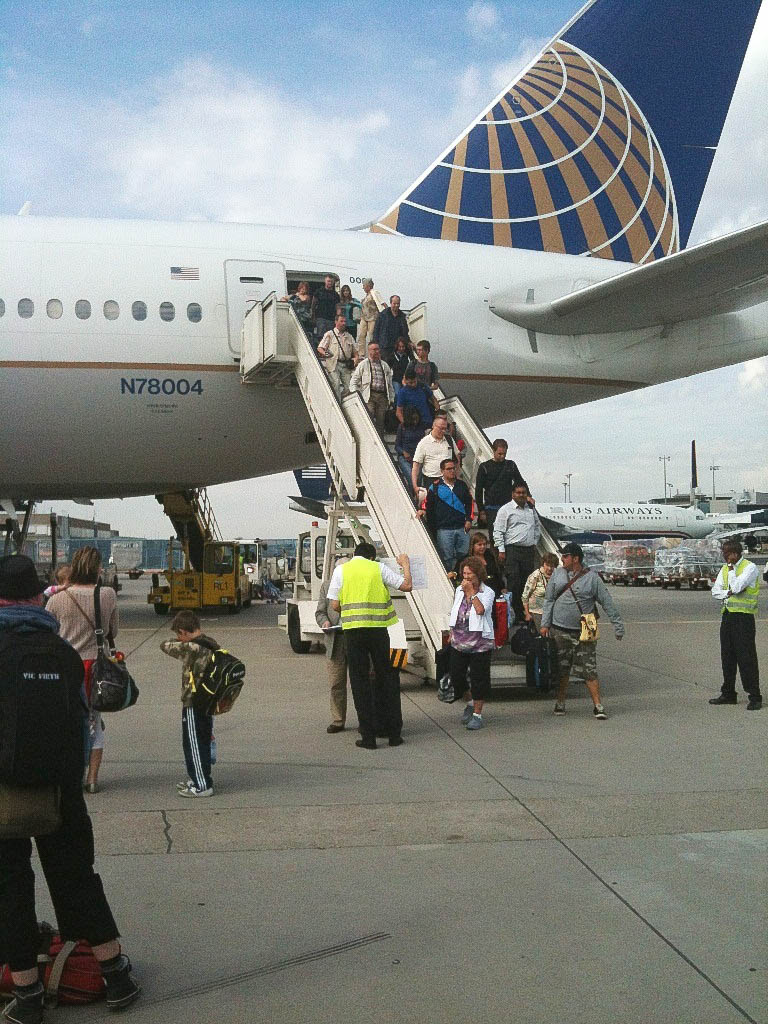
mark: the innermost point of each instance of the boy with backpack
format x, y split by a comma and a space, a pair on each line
195, 650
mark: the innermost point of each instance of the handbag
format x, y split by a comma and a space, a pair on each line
590, 631
112, 685
27, 811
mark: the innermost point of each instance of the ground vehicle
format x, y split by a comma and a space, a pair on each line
127, 556
313, 561
221, 582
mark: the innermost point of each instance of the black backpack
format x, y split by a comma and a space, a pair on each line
40, 681
220, 685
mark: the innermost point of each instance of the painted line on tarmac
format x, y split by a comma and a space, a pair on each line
273, 968
592, 871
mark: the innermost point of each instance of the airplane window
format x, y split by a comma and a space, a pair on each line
167, 312
139, 310
54, 309
111, 309
194, 312
2, 308
82, 309
26, 308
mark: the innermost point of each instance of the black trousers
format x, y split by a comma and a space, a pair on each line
518, 567
377, 700
476, 665
66, 857
737, 649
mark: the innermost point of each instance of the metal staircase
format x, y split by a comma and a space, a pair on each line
275, 352
193, 520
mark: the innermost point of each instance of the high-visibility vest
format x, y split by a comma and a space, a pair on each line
745, 601
364, 599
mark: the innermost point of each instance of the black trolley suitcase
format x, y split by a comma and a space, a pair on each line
541, 669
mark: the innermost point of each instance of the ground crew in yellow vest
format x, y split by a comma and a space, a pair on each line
738, 587
358, 591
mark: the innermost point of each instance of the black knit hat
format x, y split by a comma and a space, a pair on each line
18, 578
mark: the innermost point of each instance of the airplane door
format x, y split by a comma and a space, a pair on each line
247, 282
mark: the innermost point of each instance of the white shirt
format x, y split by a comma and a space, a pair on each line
477, 623
430, 453
389, 578
747, 578
515, 525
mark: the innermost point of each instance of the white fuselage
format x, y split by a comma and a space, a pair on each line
109, 407
623, 520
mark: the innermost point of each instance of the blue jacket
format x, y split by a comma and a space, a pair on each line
446, 509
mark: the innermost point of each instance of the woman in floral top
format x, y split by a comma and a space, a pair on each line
535, 585
472, 640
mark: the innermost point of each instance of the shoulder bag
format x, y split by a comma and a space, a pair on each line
590, 630
112, 685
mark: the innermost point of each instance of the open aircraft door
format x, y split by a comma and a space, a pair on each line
248, 282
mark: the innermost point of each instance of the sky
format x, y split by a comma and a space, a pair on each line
318, 115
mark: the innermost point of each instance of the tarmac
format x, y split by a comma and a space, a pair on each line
543, 869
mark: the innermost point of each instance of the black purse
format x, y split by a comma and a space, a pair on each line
112, 685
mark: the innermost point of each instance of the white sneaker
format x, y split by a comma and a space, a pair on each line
193, 791
599, 711
559, 708
184, 785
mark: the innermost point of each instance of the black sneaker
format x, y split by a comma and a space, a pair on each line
721, 698
755, 703
27, 1008
121, 988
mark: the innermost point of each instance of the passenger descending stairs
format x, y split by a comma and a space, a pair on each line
193, 520
274, 351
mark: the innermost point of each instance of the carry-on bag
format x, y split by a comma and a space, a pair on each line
69, 971
541, 664
112, 685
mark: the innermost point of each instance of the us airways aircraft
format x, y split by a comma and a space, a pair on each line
623, 521
548, 242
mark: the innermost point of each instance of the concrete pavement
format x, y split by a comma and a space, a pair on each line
541, 869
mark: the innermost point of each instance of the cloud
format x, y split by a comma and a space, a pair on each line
753, 376
505, 73
483, 19
204, 140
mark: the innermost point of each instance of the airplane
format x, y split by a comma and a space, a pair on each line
548, 242
622, 521
596, 521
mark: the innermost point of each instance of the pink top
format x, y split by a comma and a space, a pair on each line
73, 608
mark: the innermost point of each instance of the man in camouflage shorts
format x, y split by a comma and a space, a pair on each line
574, 591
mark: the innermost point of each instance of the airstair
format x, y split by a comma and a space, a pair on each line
193, 520
275, 352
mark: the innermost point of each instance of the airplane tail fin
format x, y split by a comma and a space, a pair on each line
602, 146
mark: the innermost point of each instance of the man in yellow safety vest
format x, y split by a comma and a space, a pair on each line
358, 591
738, 587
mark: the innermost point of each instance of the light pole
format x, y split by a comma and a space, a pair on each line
714, 470
665, 459
568, 480
565, 490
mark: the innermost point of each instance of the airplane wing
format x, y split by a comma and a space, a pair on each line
739, 532
721, 276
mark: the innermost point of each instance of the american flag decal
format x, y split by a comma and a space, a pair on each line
185, 273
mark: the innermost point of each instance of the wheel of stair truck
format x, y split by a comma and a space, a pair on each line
161, 609
298, 646
236, 608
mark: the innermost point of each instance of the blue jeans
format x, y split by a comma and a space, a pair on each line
452, 545
405, 471
396, 385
